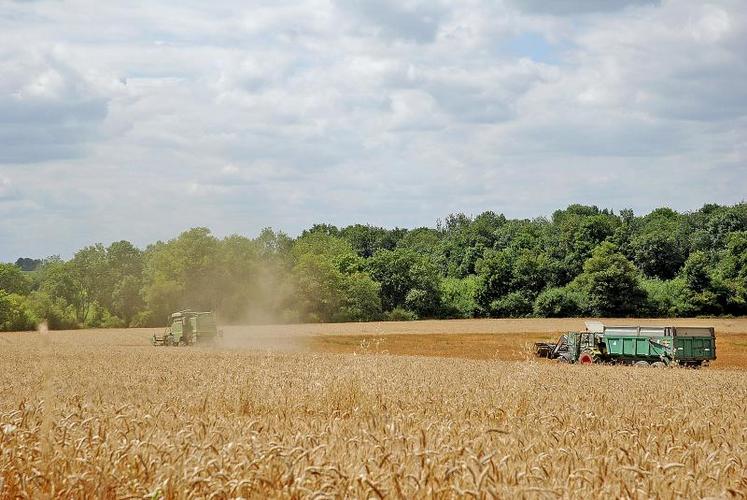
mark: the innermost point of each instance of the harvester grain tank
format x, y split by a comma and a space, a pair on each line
692, 346
188, 328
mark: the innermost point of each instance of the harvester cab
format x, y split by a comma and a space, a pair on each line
188, 328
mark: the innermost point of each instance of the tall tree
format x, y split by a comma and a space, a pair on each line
495, 274
90, 269
13, 279
611, 283
182, 273
408, 280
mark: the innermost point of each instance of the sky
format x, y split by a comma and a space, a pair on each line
137, 120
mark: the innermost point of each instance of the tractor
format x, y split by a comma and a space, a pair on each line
633, 345
188, 328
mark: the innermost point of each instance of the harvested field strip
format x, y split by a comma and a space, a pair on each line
731, 348
469, 346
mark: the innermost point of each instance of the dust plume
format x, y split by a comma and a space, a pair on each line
263, 338
261, 320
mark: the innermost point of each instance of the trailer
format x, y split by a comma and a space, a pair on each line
634, 345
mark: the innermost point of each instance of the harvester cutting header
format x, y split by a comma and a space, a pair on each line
188, 328
692, 346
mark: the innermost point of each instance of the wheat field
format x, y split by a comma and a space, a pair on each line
102, 414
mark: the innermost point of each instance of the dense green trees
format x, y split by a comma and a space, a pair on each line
458, 296
581, 261
408, 280
14, 312
14, 280
559, 303
330, 282
610, 283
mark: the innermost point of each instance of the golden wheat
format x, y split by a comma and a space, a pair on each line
85, 420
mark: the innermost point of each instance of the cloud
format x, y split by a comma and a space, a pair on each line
674, 63
137, 122
410, 20
8, 192
570, 7
47, 109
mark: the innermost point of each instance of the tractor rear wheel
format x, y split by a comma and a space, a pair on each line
658, 364
586, 358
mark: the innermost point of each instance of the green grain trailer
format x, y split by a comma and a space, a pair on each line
188, 328
639, 345
689, 346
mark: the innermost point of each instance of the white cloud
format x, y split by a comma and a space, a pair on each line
136, 122
7, 190
570, 7
409, 20
48, 109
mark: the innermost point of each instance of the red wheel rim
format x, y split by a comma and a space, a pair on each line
585, 359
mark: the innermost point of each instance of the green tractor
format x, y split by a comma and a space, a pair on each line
189, 328
633, 345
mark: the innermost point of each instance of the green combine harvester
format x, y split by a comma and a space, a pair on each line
188, 328
691, 346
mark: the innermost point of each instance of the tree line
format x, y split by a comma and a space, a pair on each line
582, 261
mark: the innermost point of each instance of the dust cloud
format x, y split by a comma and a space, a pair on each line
262, 338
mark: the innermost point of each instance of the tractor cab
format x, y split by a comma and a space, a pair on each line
585, 344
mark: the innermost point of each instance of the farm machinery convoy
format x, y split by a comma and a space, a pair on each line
691, 346
633, 345
188, 328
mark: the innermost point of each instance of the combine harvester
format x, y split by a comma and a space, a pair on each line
691, 346
188, 328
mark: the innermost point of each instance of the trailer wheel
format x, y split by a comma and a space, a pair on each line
586, 358
641, 363
658, 364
